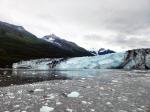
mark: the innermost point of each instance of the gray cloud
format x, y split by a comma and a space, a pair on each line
116, 24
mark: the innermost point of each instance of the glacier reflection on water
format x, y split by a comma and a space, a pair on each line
11, 77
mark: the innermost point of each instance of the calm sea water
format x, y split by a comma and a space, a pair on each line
16, 77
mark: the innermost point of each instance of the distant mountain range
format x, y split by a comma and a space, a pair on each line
101, 51
68, 46
17, 44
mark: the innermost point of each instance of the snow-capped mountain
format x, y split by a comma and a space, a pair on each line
101, 51
132, 59
66, 45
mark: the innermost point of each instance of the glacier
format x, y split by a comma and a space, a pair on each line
37, 64
132, 59
108, 61
93, 62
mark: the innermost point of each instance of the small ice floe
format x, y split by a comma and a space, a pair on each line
123, 98
109, 104
1, 95
140, 109
74, 94
5, 72
46, 104
88, 87
58, 103
84, 102
46, 109
19, 92
11, 95
122, 111
16, 106
69, 110
101, 88
114, 81
50, 96
33, 73
90, 102
38, 90
92, 110
142, 106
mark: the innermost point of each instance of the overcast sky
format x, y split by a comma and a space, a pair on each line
113, 24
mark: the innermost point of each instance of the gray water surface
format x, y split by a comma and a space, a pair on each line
99, 91
23, 76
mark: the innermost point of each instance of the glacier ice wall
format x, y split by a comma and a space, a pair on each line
38, 64
108, 61
132, 59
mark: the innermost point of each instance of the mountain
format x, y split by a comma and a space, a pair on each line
17, 44
66, 45
101, 51
132, 59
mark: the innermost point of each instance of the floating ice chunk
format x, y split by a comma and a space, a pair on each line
46, 109
69, 110
123, 98
114, 81
92, 110
84, 102
19, 92
58, 103
122, 111
74, 94
140, 109
16, 106
109, 104
101, 88
38, 90
46, 104
50, 96
11, 95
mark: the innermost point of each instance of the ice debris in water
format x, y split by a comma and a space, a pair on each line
114, 81
38, 90
101, 88
92, 110
50, 96
46, 109
84, 102
58, 103
74, 94
122, 111
69, 110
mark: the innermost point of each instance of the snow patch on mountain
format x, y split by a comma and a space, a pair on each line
53, 39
